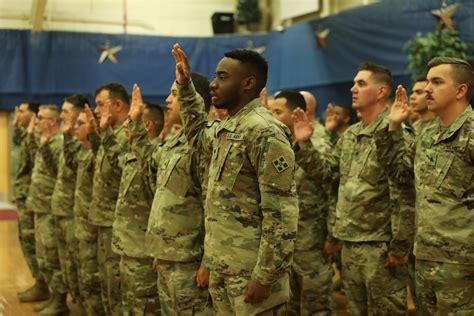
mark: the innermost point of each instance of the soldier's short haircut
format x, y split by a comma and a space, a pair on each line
421, 78
380, 73
461, 71
33, 106
201, 83
256, 64
79, 101
52, 107
294, 99
155, 113
116, 91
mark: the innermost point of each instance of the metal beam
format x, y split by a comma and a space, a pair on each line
37, 14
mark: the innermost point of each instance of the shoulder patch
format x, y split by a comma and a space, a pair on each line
280, 164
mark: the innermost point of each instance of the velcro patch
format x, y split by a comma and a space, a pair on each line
280, 164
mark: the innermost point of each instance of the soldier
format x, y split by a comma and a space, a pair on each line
418, 104
24, 116
42, 184
85, 233
115, 100
175, 233
376, 232
311, 271
319, 135
138, 280
251, 204
62, 200
443, 158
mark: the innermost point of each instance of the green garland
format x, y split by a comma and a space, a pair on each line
422, 48
248, 12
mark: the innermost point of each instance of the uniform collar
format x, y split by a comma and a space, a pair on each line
455, 126
230, 123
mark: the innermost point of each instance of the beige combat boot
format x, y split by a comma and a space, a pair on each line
36, 293
57, 306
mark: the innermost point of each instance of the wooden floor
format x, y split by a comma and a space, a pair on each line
15, 276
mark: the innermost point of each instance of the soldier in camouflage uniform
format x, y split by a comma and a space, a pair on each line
320, 136
62, 200
24, 114
112, 106
85, 233
376, 232
138, 280
42, 184
251, 203
175, 234
419, 105
442, 159
311, 270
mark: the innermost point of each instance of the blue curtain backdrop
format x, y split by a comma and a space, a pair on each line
51, 65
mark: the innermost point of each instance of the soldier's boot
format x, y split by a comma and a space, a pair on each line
39, 307
58, 306
80, 310
36, 293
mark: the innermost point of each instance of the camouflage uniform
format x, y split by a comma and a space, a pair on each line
444, 244
418, 128
251, 204
368, 219
21, 185
62, 206
311, 271
138, 280
104, 198
86, 234
175, 232
42, 184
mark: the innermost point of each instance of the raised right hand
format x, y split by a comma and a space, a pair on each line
303, 128
31, 125
331, 122
400, 111
182, 65
136, 108
91, 123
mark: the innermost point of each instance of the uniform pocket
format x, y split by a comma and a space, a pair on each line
371, 170
230, 165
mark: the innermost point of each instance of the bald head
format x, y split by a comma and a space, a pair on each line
311, 103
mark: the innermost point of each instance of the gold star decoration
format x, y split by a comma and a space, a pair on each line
445, 14
321, 36
108, 52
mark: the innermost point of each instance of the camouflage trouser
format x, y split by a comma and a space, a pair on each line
26, 232
139, 288
109, 272
46, 235
310, 283
67, 249
444, 288
179, 294
370, 287
228, 299
411, 276
88, 267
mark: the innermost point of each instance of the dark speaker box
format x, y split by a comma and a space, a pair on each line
223, 23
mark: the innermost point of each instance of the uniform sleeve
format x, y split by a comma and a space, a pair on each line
274, 162
148, 153
50, 153
395, 151
194, 116
31, 145
113, 146
321, 167
94, 139
71, 148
